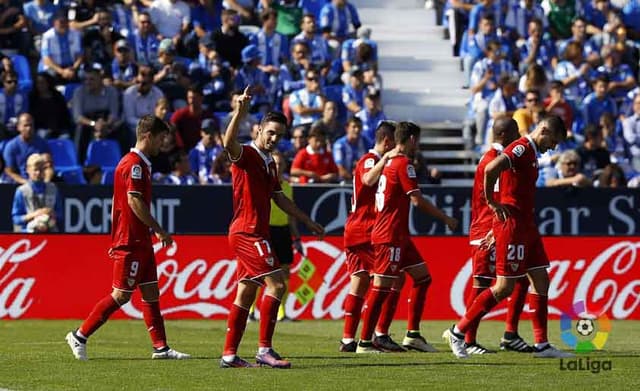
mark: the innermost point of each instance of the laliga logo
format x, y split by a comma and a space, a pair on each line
590, 332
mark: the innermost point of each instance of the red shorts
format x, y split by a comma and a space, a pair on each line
392, 259
518, 247
133, 267
255, 257
484, 261
360, 258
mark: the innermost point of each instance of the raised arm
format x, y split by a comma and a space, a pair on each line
370, 178
230, 139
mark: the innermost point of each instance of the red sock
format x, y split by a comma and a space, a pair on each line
515, 304
472, 330
268, 319
155, 323
417, 297
480, 306
236, 324
100, 313
538, 305
388, 311
371, 311
352, 310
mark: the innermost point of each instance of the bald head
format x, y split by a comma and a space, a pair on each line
505, 131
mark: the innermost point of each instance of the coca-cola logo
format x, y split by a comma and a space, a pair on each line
608, 282
15, 298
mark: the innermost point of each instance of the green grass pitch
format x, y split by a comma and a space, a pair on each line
35, 356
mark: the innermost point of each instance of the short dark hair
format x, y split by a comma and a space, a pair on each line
602, 77
175, 158
556, 124
317, 132
557, 85
385, 129
267, 13
274, 116
355, 120
196, 89
592, 131
404, 131
151, 124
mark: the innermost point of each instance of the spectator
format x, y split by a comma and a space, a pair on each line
188, 120
537, 49
49, 108
40, 14
292, 72
18, 149
319, 47
612, 176
626, 108
573, 72
621, 79
144, 42
83, 14
37, 205
219, 82
124, 15
568, 172
339, 20
221, 170
98, 41
96, 112
12, 102
560, 14
50, 174
123, 67
521, 14
329, 124
596, 14
524, 116
200, 69
307, 103
353, 93
13, 28
171, 19
631, 17
250, 74
593, 155
180, 170
504, 102
246, 125
613, 141
348, 149
556, 104
314, 164
361, 52
481, 9
273, 46
598, 102
590, 50
535, 78
162, 109
201, 157
289, 16
160, 162
244, 9
371, 115
631, 133
140, 99
61, 50
93, 174
229, 40
477, 45
4, 177
171, 75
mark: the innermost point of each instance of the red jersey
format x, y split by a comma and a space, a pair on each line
321, 163
481, 214
357, 229
397, 181
255, 179
133, 175
518, 185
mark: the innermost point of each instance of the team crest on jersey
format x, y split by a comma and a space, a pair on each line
411, 172
518, 150
369, 163
270, 261
131, 282
393, 267
136, 172
514, 266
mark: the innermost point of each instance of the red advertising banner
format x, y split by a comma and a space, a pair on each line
62, 276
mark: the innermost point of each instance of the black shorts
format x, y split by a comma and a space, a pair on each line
282, 244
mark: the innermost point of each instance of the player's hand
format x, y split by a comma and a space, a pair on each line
316, 228
165, 238
297, 244
392, 153
488, 241
451, 222
244, 101
501, 211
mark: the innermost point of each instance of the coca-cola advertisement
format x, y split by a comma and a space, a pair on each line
62, 276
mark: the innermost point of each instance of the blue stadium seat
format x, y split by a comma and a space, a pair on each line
21, 65
64, 154
73, 177
103, 153
107, 176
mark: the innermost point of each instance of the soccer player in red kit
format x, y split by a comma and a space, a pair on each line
357, 236
519, 248
255, 183
131, 248
393, 249
505, 131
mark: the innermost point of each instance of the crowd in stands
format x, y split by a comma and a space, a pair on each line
77, 75
578, 59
